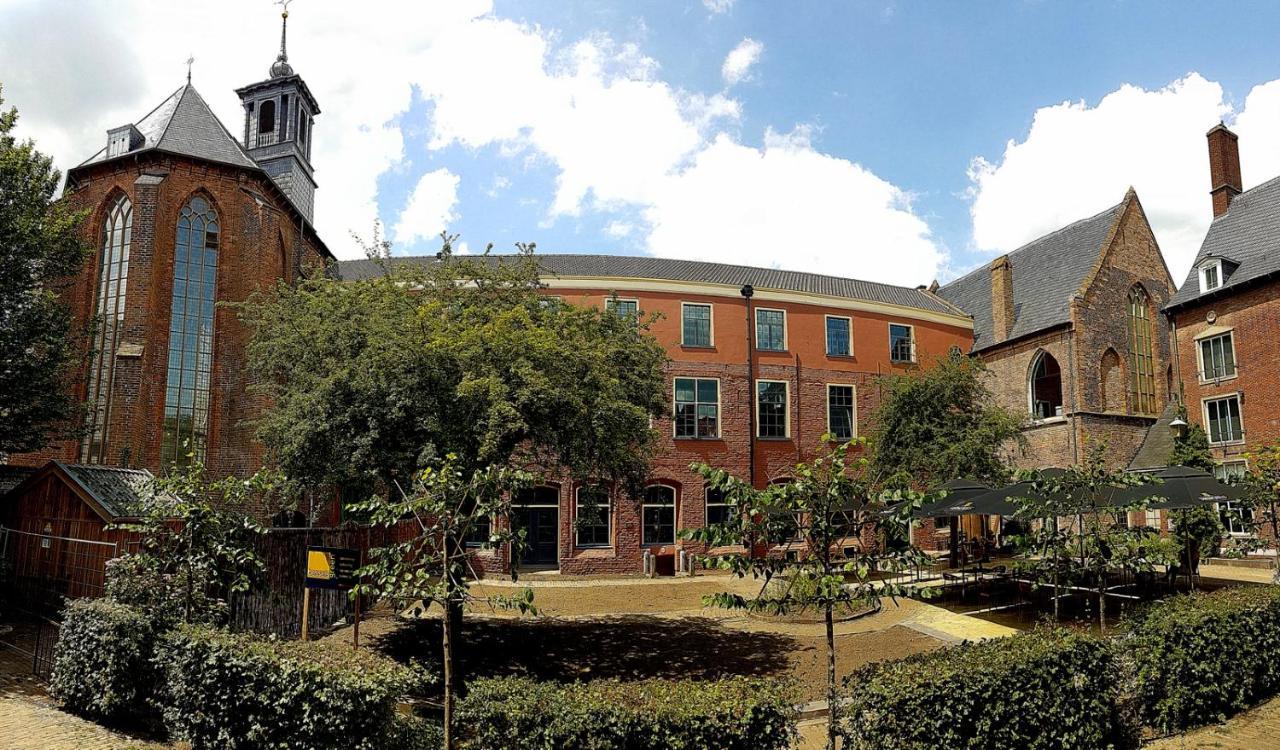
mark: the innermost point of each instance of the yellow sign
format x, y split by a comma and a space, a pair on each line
319, 565
331, 567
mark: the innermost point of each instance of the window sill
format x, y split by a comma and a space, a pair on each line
699, 347
773, 439
762, 350
698, 439
902, 361
1226, 443
1218, 381
1048, 420
839, 356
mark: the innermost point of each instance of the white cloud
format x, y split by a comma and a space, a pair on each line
1078, 159
718, 7
619, 229
788, 204
1258, 126
430, 208
737, 64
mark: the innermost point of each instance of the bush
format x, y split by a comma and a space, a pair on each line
734, 714
103, 661
1200, 658
1042, 690
237, 691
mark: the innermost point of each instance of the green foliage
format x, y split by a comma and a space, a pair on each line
373, 380
1198, 532
732, 714
242, 692
40, 248
1191, 448
1041, 690
196, 546
942, 423
1203, 657
103, 661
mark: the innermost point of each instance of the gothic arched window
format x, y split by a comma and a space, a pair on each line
113, 277
195, 273
1142, 380
1045, 386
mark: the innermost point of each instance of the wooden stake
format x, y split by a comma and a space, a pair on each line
306, 612
355, 630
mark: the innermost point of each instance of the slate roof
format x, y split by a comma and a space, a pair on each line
119, 491
1249, 234
183, 124
12, 476
669, 269
1157, 446
1047, 272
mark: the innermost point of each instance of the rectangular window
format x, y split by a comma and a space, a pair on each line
627, 308
659, 514
695, 324
772, 406
1217, 357
1222, 417
840, 412
1153, 519
902, 343
1211, 277
839, 336
771, 330
593, 517
1236, 517
697, 407
719, 511
479, 533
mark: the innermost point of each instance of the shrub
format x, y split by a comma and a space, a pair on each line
238, 691
1199, 658
103, 661
733, 714
1042, 690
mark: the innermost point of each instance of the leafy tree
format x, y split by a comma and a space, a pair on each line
839, 521
1199, 530
1097, 540
443, 377
197, 545
942, 423
40, 248
1191, 448
1262, 492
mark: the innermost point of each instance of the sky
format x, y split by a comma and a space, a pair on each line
891, 141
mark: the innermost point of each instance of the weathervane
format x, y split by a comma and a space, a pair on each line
190, 60
281, 67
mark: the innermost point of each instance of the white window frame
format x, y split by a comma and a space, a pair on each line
825, 334
706, 504
1208, 427
909, 327
1235, 363
1204, 269
786, 404
755, 329
607, 514
675, 514
719, 407
711, 325
608, 306
1219, 507
854, 416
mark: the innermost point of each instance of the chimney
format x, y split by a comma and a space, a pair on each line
1224, 168
1001, 298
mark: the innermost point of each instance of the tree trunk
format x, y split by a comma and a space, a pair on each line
449, 741
1102, 602
832, 699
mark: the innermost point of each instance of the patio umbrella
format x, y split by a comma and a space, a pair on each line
1180, 487
997, 502
959, 492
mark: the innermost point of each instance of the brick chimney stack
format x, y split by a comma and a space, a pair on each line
1001, 298
1224, 168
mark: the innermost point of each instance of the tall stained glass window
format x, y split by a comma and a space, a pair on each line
113, 277
1141, 355
195, 273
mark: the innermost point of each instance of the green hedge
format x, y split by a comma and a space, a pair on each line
241, 692
1201, 657
731, 714
103, 661
1043, 690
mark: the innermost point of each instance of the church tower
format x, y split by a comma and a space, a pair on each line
278, 113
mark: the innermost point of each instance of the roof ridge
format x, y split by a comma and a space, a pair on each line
139, 120
181, 93
223, 127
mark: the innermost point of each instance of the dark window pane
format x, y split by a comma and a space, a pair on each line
838, 337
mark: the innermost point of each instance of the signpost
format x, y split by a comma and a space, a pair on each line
332, 568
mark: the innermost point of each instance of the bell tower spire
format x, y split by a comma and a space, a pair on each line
278, 113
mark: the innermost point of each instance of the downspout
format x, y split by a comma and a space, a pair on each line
747, 293
1075, 416
1176, 355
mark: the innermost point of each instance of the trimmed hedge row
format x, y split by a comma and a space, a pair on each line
732, 714
102, 665
240, 692
1200, 658
1049, 689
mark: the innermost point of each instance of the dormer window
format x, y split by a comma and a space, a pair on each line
122, 140
1210, 275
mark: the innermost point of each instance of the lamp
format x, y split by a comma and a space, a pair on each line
1179, 426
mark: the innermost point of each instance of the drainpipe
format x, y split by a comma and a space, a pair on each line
747, 293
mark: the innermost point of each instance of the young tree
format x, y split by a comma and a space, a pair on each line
846, 526
1262, 492
463, 367
197, 545
1191, 448
940, 424
1197, 530
40, 248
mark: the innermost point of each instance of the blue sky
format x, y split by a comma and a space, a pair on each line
898, 141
